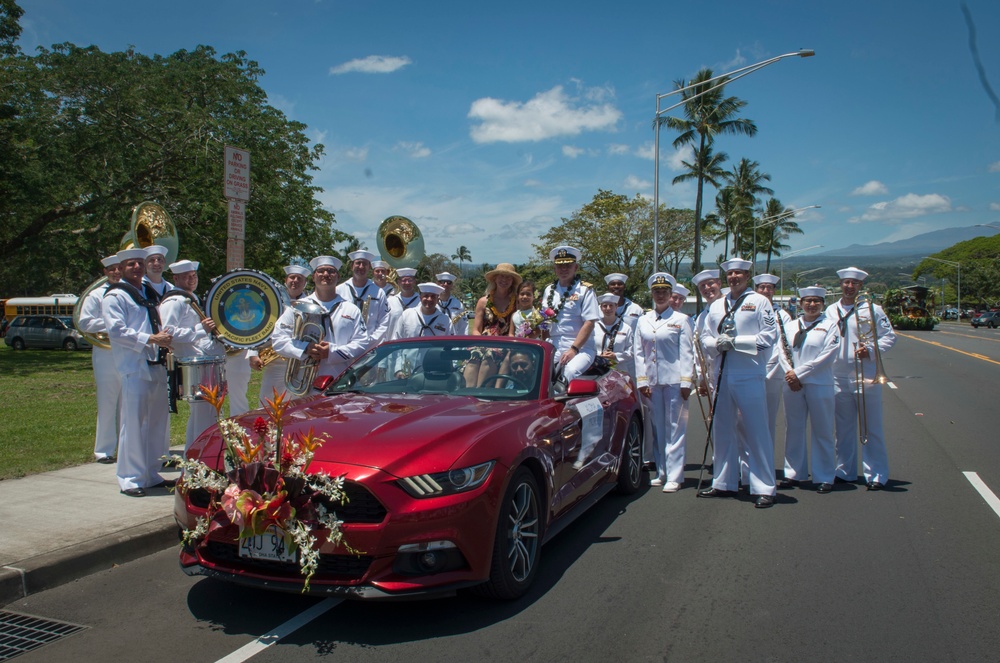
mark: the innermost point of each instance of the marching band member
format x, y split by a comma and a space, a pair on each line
627, 310
679, 297
451, 305
109, 383
874, 456
764, 284
133, 326
273, 379
367, 296
807, 362
153, 284
576, 311
193, 337
613, 336
426, 319
408, 297
664, 363
740, 328
345, 338
380, 275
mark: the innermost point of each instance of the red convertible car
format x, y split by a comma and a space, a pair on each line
448, 485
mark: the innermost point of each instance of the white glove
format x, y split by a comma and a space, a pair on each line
725, 343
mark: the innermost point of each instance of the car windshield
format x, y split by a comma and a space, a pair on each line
484, 369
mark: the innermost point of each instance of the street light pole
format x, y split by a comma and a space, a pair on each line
781, 274
958, 291
720, 81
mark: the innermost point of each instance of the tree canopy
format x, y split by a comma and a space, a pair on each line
980, 263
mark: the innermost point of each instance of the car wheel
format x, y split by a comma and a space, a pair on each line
69, 344
518, 542
630, 467
17, 343
992, 325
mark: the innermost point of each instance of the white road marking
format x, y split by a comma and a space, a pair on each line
295, 623
984, 491
892, 385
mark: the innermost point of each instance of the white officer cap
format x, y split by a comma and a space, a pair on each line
615, 277
430, 287
736, 263
681, 290
812, 291
324, 261
380, 264
297, 269
182, 266
445, 276
661, 280
608, 298
704, 276
406, 271
111, 260
852, 273
155, 250
131, 254
563, 255
766, 278
361, 255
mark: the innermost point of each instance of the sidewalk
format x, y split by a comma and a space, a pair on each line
59, 526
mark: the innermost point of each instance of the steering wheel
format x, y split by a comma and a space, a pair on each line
517, 382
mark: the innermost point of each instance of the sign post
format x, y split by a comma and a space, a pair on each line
236, 189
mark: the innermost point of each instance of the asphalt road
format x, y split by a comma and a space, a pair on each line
906, 574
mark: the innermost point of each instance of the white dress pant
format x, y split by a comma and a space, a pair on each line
579, 363
109, 391
273, 378
813, 403
874, 457
670, 415
775, 387
237, 381
144, 419
742, 395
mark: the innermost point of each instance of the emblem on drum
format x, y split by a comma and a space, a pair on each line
245, 304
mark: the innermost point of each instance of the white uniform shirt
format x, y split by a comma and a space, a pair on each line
774, 369
581, 306
756, 332
618, 339
843, 365
397, 304
161, 288
629, 312
377, 323
129, 330
452, 307
413, 323
345, 332
190, 338
663, 346
91, 318
813, 359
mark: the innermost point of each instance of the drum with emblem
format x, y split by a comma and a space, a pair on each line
245, 305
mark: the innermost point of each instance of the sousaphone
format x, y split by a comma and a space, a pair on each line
152, 225
400, 242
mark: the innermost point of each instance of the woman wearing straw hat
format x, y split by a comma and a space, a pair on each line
493, 318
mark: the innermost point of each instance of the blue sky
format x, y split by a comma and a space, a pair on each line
487, 122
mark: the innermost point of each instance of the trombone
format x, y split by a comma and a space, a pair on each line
867, 333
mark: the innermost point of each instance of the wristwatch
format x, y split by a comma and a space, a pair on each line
575, 348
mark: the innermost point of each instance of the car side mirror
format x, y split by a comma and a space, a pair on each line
578, 388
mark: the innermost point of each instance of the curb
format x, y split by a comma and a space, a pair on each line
35, 574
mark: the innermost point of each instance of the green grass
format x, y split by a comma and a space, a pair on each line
48, 410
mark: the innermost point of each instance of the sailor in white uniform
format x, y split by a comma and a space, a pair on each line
874, 456
109, 383
368, 297
764, 284
273, 379
678, 298
426, 319
575, 309
153, 282
813, 341
664, 363
380, 275
133, 326
613, 336
408, 297
626, 310
451, 305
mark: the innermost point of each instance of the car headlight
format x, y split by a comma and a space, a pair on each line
447, 483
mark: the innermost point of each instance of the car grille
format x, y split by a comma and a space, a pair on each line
361, 506
331, 567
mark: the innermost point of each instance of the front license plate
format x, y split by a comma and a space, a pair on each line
270, 546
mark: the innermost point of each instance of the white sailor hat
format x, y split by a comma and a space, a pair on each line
111, 260
681, 290
131, 254
736, 263
615, 277
380, 264
563, 255
406, 271
608, 298
182, 266
361, 255
297, 269
155, 250
431, 288
765, 278
812, 291
661, 280
445, 276
704, 275
323, 261
852, 273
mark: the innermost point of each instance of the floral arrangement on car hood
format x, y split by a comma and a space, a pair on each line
264, 485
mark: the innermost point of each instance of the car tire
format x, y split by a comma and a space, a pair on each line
17, 343
630, 467
517, 546
69, 344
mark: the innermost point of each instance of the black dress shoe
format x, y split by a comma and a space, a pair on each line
875, 485
840, 480
764, 501
166, 483
824, 488
649, 466
107, 460
788, 483
134, 492
714, 492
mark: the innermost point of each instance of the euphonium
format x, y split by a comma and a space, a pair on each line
309, 327
98, 339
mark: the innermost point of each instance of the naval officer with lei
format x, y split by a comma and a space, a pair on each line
574, 310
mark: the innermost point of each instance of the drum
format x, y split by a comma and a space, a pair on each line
245, 305
197, 371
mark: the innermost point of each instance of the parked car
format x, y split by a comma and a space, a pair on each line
450, 485
950, 314
44, 331
989, 319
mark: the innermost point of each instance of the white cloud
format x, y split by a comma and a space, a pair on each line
572, 152
282, 103
633, 183
618, 149
415, 150
871, 188
905, 207
675, 161
373, 64
995, 207
995, 167
645, 151
737, 61
549, 114
356, 153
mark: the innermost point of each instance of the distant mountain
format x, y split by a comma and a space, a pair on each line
920, 245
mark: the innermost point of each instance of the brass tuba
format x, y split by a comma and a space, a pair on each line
152, 225
98, 339
308, 327
400, 242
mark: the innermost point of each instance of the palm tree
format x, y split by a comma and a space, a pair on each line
707, 113
461, 256
726, 209
705, 166
779, 230
747, 183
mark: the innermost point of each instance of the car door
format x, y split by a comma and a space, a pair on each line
33, 331
584, 456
